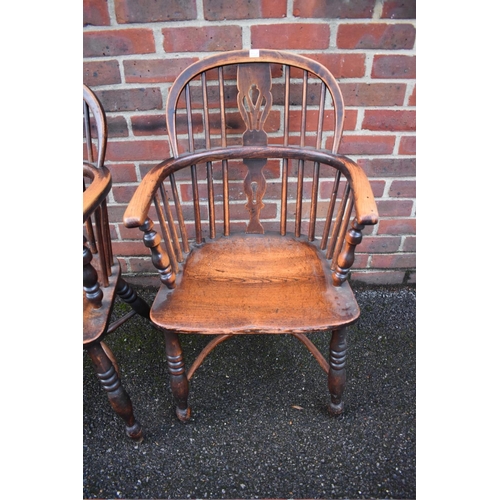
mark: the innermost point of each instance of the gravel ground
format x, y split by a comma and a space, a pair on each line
260, 426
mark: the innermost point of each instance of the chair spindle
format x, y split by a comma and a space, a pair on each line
88, 135
315, 185
300, 174
171, 224
343, 227
104, 266
336, 226
194, 177
208, 145
223, 137
167, 236
331, 209
284, 163
107, 236
314, 202
180, 215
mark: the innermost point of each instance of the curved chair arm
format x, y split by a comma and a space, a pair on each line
366, 210
99, 188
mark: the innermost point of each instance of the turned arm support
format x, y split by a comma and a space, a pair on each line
158, 256
91, 286
346, 258
136, 215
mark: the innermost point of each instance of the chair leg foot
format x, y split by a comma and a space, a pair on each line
117, 396
335, 409
183, 415
178, 379
337, 372
135, 432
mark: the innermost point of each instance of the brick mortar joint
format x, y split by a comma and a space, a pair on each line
201, 54
141, 85
346, 133
200, 23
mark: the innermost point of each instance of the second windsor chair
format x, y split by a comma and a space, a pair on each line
102, 279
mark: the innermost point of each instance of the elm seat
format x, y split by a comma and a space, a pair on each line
254, 284
253, 222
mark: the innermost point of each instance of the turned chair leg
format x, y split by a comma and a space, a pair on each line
337, 373
111, 356
178, 379
128, 295
118, 397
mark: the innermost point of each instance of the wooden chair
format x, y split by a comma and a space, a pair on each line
101, 271
253, 210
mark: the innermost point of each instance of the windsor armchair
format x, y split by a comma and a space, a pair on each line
253, 209
101, 271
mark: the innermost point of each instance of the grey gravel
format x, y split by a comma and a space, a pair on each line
260, 426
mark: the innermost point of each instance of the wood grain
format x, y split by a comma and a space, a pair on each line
254, 284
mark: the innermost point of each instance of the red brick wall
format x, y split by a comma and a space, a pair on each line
133, 50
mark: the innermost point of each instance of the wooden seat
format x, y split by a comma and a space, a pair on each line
102, 279
254, 291
252, 229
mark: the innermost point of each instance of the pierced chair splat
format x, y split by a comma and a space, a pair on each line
254, 230
101, 270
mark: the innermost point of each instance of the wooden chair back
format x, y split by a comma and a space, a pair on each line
265, 95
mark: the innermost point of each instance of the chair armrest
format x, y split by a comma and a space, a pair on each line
97, 191
137, 210
364, 201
